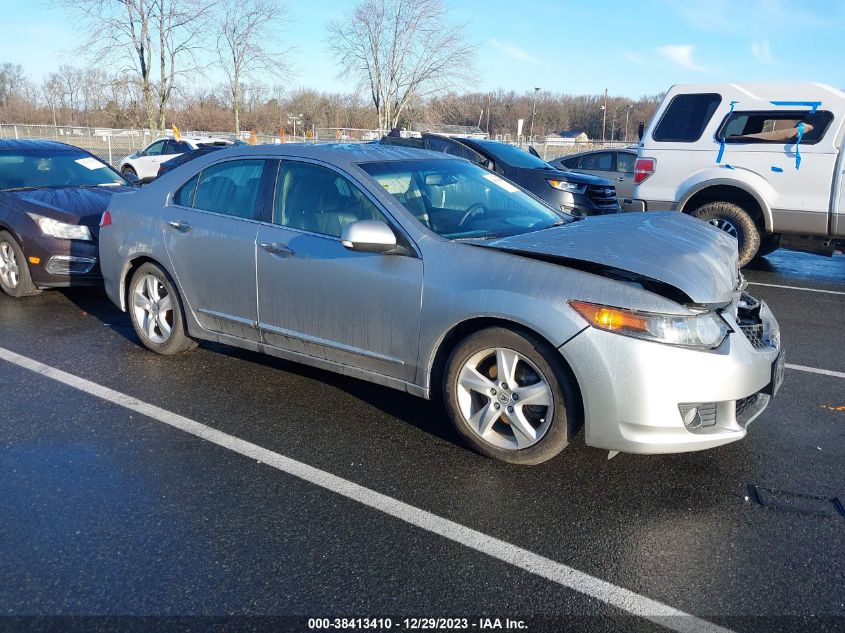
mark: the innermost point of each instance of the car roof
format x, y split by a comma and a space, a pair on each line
765, 92
341, 154
628, 150
30, 144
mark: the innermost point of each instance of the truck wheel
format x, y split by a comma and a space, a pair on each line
768, 244
735, 221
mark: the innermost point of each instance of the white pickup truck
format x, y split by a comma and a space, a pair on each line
764, 162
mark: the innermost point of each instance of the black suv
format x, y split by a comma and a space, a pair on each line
572, 192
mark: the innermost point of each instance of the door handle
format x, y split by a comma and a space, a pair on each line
182, 227
277, 248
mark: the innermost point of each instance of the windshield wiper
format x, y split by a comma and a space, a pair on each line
20, 189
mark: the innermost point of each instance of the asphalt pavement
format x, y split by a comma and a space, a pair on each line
110, 509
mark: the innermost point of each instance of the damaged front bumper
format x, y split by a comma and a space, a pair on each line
646, 397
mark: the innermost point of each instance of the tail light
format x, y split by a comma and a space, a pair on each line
105, 220
643, 168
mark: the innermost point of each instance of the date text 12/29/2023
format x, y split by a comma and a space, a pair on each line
417, 624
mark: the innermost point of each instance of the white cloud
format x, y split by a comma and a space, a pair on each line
515, 52
762, 51
681, 55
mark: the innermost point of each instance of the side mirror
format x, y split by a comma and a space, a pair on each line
132, 179
641, 130
368, 236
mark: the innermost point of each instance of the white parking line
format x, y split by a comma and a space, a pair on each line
829, 292
816, 370
629, 601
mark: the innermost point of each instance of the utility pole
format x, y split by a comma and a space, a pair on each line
488, 114
533, 112
627, 114
604, 118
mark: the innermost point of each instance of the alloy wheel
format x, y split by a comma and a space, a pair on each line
505, 398
726, 225
9, 271
152, 307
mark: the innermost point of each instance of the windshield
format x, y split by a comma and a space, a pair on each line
512, 155
459, 200
52, 168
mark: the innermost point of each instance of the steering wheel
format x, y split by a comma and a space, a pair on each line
474, 208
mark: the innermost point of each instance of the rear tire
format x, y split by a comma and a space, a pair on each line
521, 414
15, 279
156, 311
734, 220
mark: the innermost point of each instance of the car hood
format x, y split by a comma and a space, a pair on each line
656, 250
74, 205
571, 176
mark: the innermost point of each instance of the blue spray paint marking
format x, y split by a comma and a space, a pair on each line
813, 105
777, 170
722, 142
797, 142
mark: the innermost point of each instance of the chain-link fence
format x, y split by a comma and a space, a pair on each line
112, 145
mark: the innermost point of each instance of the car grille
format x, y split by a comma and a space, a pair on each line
749, 321
603, 197
744, 403
754, 333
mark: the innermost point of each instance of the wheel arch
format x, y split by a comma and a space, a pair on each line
129, 268
452, 338
727, 190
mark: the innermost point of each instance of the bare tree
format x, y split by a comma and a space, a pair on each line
400, 50
149, 34
245, 28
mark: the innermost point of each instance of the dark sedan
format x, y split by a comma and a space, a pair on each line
575, 193
52, 196
181, 159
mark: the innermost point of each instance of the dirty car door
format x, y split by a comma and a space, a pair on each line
318, 298
210, 231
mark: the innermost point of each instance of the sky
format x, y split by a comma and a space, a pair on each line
567, 46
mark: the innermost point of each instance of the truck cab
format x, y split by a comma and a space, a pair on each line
760, 161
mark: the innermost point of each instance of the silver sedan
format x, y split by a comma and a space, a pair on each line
431, 275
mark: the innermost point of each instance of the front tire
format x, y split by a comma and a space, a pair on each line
509, 396
156, 311
15, 279
736, 222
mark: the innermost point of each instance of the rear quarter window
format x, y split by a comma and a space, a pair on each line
685, 118
774, 127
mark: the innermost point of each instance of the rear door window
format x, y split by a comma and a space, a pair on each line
686, 117
625, 162
231, 188
774, 127
600, 161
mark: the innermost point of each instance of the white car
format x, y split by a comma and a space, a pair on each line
144, 163
763, 162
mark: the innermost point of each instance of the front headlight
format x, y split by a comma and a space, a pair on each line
703, 331
62, 230
565, 185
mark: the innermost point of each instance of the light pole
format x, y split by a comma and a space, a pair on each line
533, 112
627, 114
604, 118
294, 118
